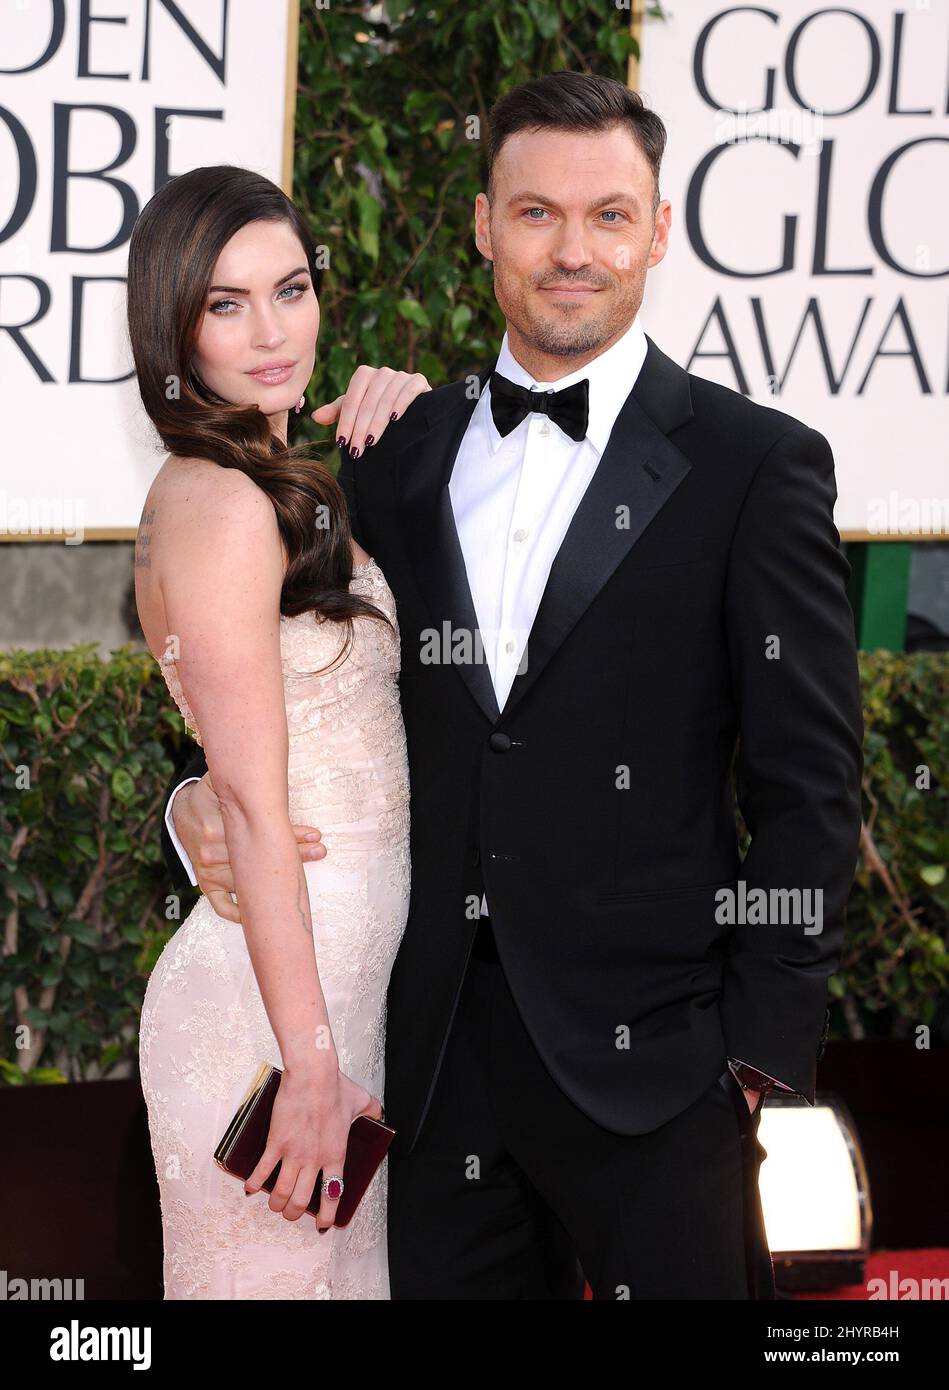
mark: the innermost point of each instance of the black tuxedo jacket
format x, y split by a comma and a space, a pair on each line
697, 603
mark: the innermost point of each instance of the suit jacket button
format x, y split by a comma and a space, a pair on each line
498, 742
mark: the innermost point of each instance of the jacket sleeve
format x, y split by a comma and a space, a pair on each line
793, 659
197, 767
346, 479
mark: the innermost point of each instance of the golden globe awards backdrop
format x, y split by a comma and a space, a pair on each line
807, 163
99, 105
808, 168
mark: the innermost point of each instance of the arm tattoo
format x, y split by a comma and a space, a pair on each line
143, 540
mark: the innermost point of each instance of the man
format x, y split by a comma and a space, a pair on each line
609, 573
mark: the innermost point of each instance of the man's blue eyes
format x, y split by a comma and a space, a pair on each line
609, 212
216, 308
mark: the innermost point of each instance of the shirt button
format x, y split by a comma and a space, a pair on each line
520, 534
508, 646
544, 429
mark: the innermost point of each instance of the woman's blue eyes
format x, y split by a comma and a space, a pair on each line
216, 308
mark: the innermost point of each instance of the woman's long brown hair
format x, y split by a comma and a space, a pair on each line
174, 247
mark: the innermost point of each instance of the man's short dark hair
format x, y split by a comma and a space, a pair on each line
576, 101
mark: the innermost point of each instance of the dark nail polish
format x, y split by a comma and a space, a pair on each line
354, 453
394, 415
370, 439
341, 443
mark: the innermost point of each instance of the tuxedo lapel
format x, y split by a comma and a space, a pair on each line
432, 538
638, 472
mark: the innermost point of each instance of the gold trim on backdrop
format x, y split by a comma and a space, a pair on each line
637, 11
290, 94
104, 533
909, 536
91, 533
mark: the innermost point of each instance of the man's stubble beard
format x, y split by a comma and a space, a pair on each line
566, 339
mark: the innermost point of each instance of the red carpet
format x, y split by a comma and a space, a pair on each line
893, 1267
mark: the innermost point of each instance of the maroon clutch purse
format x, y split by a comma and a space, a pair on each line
245, 1139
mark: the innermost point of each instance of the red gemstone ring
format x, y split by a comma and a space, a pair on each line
333, 1187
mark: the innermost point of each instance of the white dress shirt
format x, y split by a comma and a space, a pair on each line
513, 498
170, 823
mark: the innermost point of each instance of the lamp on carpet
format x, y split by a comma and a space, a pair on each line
814, 1192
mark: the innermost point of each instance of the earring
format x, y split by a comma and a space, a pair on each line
300, 404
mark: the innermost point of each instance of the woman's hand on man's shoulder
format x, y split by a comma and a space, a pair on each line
374, 398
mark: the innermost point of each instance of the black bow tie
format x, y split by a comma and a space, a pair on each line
568, 408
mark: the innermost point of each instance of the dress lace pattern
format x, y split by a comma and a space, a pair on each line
204, 1027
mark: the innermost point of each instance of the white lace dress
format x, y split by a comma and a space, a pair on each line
204, 1028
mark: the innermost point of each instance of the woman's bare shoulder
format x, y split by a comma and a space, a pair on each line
194, 492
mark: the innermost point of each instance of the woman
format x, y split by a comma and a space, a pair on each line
278, 639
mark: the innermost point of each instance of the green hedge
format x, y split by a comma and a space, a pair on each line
897, 953
87, 748
88, 745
